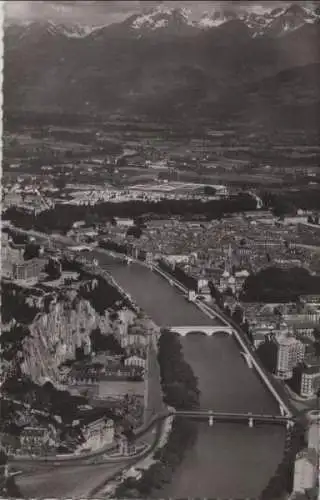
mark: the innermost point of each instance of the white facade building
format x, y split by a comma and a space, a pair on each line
290, 353
135, 361
124, 222
305, 471
98, 433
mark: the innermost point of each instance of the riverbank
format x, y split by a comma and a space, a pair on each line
138, 468
180, 391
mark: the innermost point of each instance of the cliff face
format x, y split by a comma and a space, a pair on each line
56, 332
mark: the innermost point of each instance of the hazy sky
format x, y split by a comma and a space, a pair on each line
107, 12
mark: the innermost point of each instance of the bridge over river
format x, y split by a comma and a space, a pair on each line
250, 419
223, 459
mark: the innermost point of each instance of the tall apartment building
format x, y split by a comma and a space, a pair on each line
290, 353
310, 378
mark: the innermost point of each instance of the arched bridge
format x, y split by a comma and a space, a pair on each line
249, 418
207, 330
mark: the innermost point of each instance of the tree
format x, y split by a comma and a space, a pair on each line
210, 191
283, 207
122, 162
3, 457
216, 295
12, 340
316, 333
279, 285
246, 328
227, 311
12, 490
31, 251
237, 315
100, 342
61, 182
135, 231
53, 269
317, 348
267, 352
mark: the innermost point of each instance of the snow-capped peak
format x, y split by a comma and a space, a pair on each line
276, 22
177, 21
53, 28
186, 14
207, 21
71, 30
217, 18
283, 20
160, 17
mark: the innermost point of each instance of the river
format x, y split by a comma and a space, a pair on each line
227, 460
155, 295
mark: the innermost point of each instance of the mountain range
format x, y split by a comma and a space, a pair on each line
229, 65
163, 20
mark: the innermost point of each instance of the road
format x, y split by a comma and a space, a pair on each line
77, 481
67, 482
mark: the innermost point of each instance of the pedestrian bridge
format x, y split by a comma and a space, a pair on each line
207, 330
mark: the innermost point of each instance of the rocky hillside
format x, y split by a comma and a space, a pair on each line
59, 324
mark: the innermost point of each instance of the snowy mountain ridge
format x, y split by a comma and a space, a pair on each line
272, 22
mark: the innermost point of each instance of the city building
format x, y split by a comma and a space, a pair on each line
290, 352
135, 361
14, 252
310, 378
313, 434
134, 339
123, 222
34, 439
149, 258
81, 378
311, 300
29, 269
97, 433
240, 278
205, 293
126, 446
305, 471
260, 334
227, 282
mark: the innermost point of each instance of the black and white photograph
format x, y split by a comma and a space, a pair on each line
160, 250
